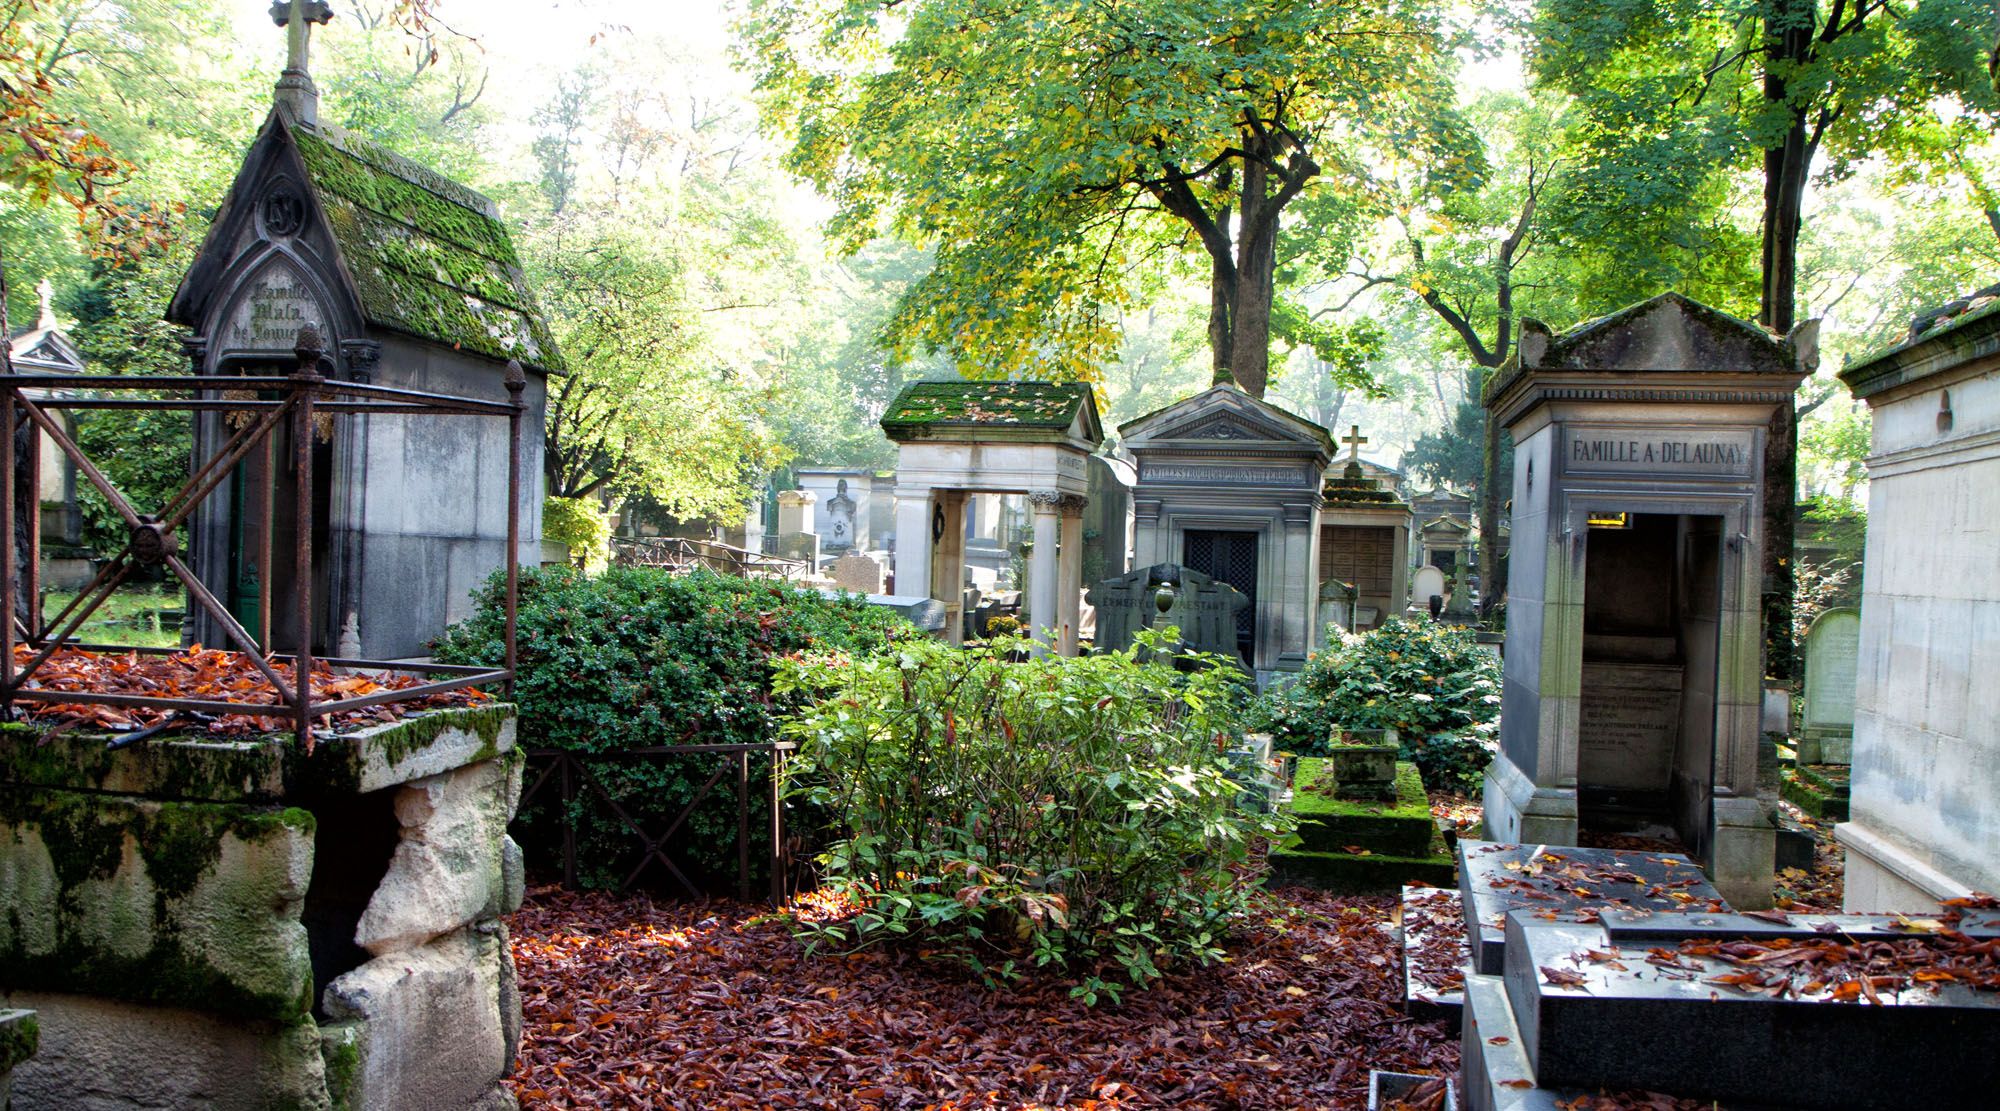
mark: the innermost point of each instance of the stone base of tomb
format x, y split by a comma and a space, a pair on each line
235, 924
1357, 846
1516, 810
1882, 876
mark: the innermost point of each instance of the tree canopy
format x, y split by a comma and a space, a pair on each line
1050, 152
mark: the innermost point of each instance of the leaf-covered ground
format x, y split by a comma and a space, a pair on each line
631, 1003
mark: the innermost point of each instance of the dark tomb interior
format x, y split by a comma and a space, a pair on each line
1651, 632
357, 834
1229, 557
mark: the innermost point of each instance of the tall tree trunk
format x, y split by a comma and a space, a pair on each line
1256, 263
1789, 30
1221, 298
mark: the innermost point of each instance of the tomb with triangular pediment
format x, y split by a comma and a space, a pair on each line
1230, 485
412, 281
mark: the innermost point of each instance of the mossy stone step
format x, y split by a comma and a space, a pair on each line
1348, 873
1399, 827
1812, 799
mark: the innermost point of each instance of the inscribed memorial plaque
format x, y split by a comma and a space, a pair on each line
275, 305
1628, 721
1696, 453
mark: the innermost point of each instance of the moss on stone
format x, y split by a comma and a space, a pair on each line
20, 1036
166, 768
1015, 404
417, 733
428, 256
1410, 800
340, 1056
179, 845
1355, 874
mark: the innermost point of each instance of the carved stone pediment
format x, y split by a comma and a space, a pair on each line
1226, 414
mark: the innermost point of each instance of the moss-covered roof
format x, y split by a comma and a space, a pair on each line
1941, 339
987, 404
1707, 339
428, 256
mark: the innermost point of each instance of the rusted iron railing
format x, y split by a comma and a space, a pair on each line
301, 397
679, 554
572, 774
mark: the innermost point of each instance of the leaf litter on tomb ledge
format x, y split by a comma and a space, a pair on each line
205, 673
631, 1003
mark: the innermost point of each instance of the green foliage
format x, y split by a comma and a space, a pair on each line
145, 455
637, 657
1046, 152
581, 524
1057, 812
1431, 683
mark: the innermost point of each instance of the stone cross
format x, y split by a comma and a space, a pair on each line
1354, 439
295, 87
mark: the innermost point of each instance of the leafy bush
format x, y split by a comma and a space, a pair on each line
1431, 683
1061, 812
581, 524
637, 657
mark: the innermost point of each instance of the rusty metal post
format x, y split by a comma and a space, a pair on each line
777, 854
517, 381
9, 584
304, 381
569, 822
31, 575
264, 541
743, 824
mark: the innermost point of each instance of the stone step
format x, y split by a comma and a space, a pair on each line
1360, 873
1436, 960
1402, 827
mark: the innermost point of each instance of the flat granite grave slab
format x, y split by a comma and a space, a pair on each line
1435, 956
1566, 883
1836, 1012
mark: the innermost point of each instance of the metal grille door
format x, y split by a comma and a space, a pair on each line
1229, 557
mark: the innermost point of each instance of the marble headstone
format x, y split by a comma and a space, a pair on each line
1426, 584
858, 573
1832, 652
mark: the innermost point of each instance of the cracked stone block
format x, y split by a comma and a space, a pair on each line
447, 871
439, 1022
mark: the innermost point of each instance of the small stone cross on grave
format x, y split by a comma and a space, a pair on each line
1354, 439
296, 91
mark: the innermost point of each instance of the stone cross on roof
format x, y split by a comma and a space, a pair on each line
1354, 439
296, 92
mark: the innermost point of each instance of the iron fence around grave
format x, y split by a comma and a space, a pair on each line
580, 790
680, 554
259, 405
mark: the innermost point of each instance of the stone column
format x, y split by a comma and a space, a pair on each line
913, 542
1069, 576
1043, 574
948, 562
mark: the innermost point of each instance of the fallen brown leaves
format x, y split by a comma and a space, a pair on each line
200, 673
631, 1003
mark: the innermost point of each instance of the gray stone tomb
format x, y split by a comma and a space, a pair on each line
1633, 676
414, 283
1832, 651
1231, 487
858, 573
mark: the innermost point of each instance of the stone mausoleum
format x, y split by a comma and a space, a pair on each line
1925, 794
1633, 673
1230, 486
957, 440
413, 282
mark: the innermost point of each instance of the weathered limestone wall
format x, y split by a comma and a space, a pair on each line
1925, 808
171, 909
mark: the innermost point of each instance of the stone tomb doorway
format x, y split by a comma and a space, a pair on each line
1652, 620
1229, 556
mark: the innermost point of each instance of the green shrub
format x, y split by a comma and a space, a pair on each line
581, 524
1060, 812
637, 657
1431, 683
